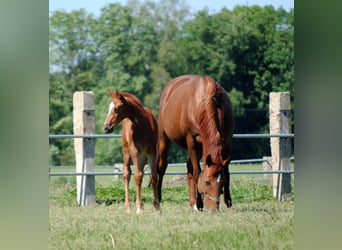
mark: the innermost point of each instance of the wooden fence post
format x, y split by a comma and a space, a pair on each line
280, 123
84, 123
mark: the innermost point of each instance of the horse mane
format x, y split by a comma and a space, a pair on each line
208, 122
131, 99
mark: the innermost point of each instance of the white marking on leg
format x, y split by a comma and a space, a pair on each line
194, 208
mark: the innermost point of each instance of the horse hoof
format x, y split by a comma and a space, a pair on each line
194, 208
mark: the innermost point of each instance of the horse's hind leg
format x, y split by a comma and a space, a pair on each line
154, 181
161, 160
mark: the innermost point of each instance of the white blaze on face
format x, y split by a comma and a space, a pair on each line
219, 178
111, 106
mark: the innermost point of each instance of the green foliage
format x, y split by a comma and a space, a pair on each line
140, 46
115, 194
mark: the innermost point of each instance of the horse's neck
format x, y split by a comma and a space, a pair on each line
214, 150
136, 114
211, 143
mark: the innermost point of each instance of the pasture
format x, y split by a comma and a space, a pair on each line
256, 220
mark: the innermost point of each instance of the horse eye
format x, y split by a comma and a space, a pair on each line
117, 109
207, 182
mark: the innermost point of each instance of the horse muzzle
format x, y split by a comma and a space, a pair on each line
108, 129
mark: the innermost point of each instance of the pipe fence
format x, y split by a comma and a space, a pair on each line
118, 171
95, 136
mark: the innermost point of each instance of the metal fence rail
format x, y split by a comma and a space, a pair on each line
178, 164
94, 136
99, 136
119, 172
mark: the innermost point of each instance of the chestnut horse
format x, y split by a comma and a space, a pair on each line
195, 113
139, 140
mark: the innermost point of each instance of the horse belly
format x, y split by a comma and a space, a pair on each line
177, 127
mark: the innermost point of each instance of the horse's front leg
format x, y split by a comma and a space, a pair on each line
193, 172
139, 163
126, 176
226, 192
199, 201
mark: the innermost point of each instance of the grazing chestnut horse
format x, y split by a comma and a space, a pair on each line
139, 140
195, 113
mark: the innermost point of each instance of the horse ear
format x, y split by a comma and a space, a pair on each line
209, 161
112, 94
118, 94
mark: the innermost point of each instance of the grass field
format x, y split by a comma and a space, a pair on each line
256, 220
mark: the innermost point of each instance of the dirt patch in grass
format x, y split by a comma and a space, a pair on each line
177, 180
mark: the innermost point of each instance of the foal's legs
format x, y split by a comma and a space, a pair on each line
126, 175
139, 161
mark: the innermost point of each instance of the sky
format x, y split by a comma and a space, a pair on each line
94, 6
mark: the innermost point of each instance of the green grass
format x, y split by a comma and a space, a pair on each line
256, 220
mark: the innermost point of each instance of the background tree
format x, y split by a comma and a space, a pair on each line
71, 68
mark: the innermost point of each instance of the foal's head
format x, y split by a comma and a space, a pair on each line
116, 111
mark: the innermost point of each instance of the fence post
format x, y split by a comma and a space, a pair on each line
280, 123
84, 123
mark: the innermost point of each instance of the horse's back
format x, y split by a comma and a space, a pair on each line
183, 88
181, 95
183, 99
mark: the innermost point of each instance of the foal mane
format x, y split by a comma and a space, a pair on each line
132, 100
